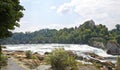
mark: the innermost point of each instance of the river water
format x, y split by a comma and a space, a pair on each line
42, 48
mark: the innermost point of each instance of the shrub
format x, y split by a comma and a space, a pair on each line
34, 57
28, 54
97, 65
4, 60
60, 60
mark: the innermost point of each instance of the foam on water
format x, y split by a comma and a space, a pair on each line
42, 48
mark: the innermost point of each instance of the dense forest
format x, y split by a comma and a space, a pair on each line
84, 34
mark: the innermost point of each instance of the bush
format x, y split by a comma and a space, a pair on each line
60, 60
4, 60
28, 54
34, 57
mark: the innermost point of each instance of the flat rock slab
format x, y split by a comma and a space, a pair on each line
43, 67
87, 68
12, 65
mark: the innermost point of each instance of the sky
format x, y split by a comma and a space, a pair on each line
57, 14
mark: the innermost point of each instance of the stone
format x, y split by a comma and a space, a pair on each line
35, 53
113, 48
46, 53
41, 57
108, 64
71, 53
96, 56
4, 47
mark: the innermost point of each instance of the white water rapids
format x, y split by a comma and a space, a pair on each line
42, 48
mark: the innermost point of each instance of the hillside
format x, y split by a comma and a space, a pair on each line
84, 34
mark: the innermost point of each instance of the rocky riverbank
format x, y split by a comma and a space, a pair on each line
37, 62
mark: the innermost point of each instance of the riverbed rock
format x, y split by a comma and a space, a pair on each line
88, 67
4, 47
46, 53
71, 53
19, 54
95, 56
108, 64
113, 48
41, 57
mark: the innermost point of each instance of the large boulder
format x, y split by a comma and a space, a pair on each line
113, 48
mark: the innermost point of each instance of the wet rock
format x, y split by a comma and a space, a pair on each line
35, 53
113, 48
79, 58
71, 53
46, 53
36, 62
108, 64
95, 56
94, 61
87, 67
41, 57
19, 54
103, 68
4, 47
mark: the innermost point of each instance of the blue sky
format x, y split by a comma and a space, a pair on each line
57, 14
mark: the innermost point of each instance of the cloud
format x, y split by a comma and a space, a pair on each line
52, 7
65, 8
103, 11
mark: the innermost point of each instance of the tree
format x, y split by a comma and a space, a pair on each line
118, 39
118, 27
10, 14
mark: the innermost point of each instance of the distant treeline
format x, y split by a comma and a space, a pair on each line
84, 34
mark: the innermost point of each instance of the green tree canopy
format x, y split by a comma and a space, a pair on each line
10, 14
118, 27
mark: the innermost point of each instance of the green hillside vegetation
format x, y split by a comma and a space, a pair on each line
84, 34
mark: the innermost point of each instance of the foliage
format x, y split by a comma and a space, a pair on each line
118, 39
34, 57
84, 34
28, 54
10, 14
60, 60
3, 60
97, 65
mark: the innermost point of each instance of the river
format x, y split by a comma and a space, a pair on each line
42, 48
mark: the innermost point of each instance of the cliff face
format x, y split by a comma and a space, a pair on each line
113, 48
